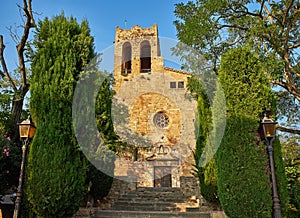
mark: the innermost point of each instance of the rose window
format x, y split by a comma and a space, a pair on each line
161, 120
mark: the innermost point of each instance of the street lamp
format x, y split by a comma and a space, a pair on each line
26, 130
269, 129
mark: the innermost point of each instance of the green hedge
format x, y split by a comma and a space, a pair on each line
281, 178
244, 186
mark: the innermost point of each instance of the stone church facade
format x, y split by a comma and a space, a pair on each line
159, 109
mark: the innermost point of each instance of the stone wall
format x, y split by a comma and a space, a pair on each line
146, 95
142, 113
189, 187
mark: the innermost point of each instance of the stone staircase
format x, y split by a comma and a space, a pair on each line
155, 199
149, 214
127, 200
151, 203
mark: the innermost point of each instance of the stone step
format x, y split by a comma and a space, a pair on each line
146, 206
145, 194
153, 195
151, 200
148, 214
158, 189
154, 198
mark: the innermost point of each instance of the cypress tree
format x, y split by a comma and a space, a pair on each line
103, 114
92, 120
56, 173
100, 181
206, 172
244, 186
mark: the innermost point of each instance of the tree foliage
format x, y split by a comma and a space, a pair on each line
271, 28
243, 179
10, 150
56, 167
14, 85
5, 108
207, 174
100, 181
10, 161
291, 154
103, 114
17, 85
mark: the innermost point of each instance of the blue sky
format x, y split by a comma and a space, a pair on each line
103, 17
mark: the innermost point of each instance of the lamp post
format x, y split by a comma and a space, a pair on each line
269, 129
26, 130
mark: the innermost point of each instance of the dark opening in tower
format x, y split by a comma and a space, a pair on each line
145, 57
126, 58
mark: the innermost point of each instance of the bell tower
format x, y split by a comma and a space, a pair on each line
137, 51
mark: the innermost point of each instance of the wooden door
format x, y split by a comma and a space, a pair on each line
162, 176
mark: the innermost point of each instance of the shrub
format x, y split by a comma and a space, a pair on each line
10, 160
244, 186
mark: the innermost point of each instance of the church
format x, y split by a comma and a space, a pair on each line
160, 110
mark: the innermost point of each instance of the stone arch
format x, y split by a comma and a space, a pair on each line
126, 58
143, 111
145, 56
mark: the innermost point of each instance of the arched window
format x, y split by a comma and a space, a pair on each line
126, 58
145, 57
